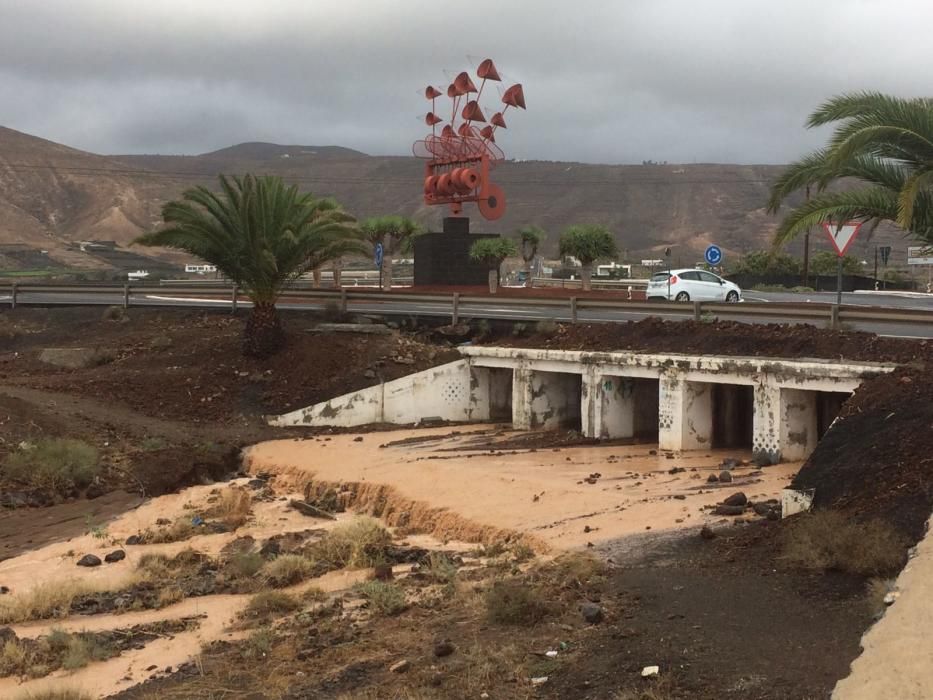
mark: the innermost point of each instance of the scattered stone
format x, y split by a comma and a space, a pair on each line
725, 477
729, 510
134, 539
443, 647
650, 671
707, 533
89, 560
400, 666
151, 668
761, 509
592, 613
358, 439
256, 484
115, 556
676, 470
75, 358
712, 479
539, 680
736, 499
889, 598
652, 452
163, 521
383, 572
680, 497
4, 590
774, 515
311, 511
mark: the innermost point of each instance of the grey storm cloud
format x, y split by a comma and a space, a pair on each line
606, 80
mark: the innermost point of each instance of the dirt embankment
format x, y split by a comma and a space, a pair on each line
167, 399
725, 338
875, 461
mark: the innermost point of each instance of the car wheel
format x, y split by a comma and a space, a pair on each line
682, 296
732, 297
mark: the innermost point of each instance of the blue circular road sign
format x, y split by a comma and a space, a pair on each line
713, 255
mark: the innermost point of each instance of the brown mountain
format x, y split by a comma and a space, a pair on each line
52, 196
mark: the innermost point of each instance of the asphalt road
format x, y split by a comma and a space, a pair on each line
398, 306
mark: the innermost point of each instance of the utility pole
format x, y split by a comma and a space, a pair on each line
806, 251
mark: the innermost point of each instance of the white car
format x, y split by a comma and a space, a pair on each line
692, 285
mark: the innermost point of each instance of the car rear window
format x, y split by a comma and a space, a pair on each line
659, 277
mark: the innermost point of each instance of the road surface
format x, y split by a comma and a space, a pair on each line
398, 305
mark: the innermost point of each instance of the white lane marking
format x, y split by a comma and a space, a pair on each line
194, 300
766, 301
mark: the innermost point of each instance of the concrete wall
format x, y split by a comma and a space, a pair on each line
688, 402
443, 392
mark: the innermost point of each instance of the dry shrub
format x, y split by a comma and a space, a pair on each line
83, 650
55, 464
286, 570
546, 328
490, 667
358, 544
56, 694
234, 506
244, 564
269, 603
576, 570
439, 568
181, 529
659, 689
47, 600
515, 603
830, 541
13, 659
169, 596
383, 598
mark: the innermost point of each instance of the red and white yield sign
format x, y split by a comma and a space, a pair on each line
842, 235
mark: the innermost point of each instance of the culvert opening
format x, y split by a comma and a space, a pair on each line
733, 415
629, 408
828, 406
498, 385
556, 399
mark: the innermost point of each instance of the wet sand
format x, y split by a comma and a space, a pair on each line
543, 493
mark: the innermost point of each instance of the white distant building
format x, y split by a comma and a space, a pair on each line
652, 263
137, 275
200, 269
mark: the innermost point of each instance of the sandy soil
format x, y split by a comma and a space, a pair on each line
56, 563
541, 493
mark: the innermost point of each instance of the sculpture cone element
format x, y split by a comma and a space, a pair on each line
472, 112
432, 92
431, 119
487, 133
463, 84
487, 70
514, 96
498, 120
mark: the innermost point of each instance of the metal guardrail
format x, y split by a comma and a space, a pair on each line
456, 305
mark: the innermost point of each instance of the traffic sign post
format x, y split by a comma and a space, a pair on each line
841, 236
713, 255
378, 253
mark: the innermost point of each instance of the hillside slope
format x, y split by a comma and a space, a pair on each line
51, 195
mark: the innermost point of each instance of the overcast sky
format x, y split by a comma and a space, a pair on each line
612, 81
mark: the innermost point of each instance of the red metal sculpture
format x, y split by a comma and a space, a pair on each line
458, 160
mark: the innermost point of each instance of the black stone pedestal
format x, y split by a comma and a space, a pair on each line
444, 258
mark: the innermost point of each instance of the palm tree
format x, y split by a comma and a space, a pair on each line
884, 142
396, 234
530, 238
491, 252
588, 243
260, 234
